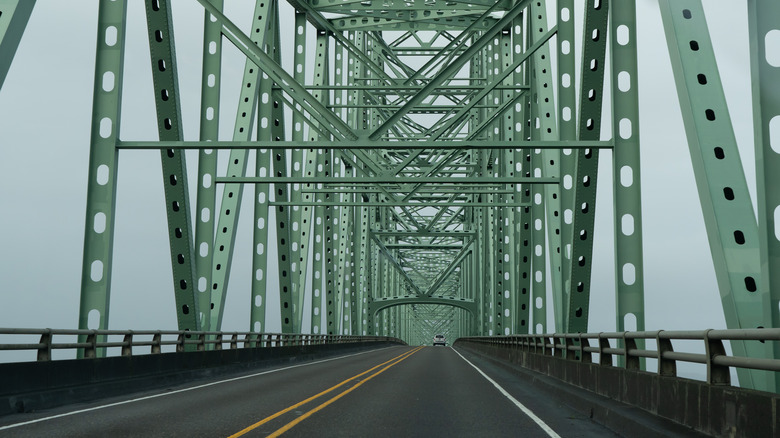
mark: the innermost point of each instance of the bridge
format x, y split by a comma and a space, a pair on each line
397, 170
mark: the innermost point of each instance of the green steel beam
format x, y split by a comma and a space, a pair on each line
284, 80
400, 204
207, 164
269, 132
585, 178
174, 166
14, 15
626, 180
103, 163
723, 192
548, 163
764, 34
567, 131
351, 180
365, 144
448, 72
320, 168
232, 194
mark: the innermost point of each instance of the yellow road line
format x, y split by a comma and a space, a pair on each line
284, 411
291, 424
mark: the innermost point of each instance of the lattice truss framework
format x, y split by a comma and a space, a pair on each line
429, 166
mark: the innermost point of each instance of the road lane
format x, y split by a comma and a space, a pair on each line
340, 390
391, 392
202, 409
435, 393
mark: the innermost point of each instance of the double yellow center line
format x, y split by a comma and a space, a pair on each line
384, 366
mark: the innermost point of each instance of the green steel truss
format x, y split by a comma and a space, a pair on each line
421, 167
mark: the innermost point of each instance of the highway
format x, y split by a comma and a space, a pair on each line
390, 392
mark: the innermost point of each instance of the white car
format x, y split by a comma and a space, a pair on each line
439, 340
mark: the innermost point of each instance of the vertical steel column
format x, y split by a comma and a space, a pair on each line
567, 130
207, 162
14, 15
331, 270
103, 160
232, 194
537, 233
279, 159
363, 260
300, 216
723, 192
507, 214
494, 169
765, 74
630, 297
260, 271
584, 181
341, 258
317, 225
266, 130
174, 166
522, 215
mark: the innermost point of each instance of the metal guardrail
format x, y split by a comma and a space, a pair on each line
157, 339
577, 347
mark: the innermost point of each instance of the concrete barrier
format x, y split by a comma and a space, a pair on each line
715, 410
31, 386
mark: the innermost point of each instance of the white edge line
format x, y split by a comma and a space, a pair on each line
522, 407
67, 414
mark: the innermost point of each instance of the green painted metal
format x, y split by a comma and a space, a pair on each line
103, 163
14, 15
206, 203
629, 299
731, 225
232, 194
766, 113
584, 179
567, 131
164, 76
426, 167
411, 144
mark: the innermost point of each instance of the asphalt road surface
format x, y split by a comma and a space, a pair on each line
391, 392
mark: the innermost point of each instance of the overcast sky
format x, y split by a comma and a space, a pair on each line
45, 111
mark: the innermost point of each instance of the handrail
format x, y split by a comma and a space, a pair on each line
577, 347
180, 339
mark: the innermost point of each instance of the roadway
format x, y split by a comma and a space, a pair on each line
391, 392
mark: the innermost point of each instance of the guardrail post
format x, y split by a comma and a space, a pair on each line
569, 352
716, 374
234, 341
217, 345
180, 342
157, 343
666, 367
90, 351
127, 344
632, 362
604, 358
44, 350
585, 356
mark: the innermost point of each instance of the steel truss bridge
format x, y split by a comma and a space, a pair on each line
427, 166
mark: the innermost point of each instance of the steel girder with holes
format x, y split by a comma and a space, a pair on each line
417, 155
731, 225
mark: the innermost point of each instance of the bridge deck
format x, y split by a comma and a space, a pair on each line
397, 391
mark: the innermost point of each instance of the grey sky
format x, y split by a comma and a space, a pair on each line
45, 110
